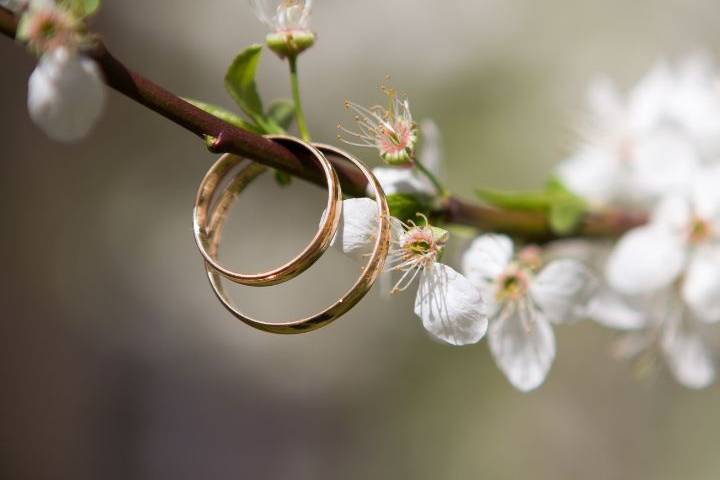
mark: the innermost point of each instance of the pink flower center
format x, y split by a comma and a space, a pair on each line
512, 284
395, 140
700, 230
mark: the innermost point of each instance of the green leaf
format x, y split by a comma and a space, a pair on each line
282, 178
91, 6
281, 112
535, 201
565, 215
240, 84
406, 207
81, 8
565, 210
224, 115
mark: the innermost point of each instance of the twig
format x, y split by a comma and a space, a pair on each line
226, 138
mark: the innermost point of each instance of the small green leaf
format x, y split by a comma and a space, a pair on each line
406, 207
281, 112
567, 209
282, 178
240, 84
91, 6
565, 216
224, 115
516, 200
81, 8
564, 209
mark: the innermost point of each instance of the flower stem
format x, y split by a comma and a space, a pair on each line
295, 85
441, 190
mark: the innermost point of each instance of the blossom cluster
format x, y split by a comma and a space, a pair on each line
512, 297
658, 150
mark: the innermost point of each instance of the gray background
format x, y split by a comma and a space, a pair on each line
117, 362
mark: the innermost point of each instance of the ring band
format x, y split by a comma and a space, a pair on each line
311, 253
367, 278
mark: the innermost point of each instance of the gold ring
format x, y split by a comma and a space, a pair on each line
311, 253
367, 278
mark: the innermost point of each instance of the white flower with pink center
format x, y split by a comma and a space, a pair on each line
46, 26
391, 129
680, 245
451, 308
522, 304
402, 180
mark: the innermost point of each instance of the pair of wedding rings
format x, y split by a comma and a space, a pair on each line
211, 209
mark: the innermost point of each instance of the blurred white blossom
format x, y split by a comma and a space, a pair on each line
681, 244
638, 149
450, 307
670, 330
522, 304
65, 94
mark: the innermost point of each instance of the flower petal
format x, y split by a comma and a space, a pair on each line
450, 307
399, 180
560, 287
483, 263
673, 213
610, 309
593, 174
645, 259
431, 154
701, 289
358, 227
649, 99
706, 194
523, 344
687, 356
487, 257
65, 95
664, 161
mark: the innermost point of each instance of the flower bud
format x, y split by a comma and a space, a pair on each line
289, 22
287, 44
65, 95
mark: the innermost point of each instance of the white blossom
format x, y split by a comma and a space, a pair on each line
450, 307
681, 245
65, 94
403, 180
46, 25
669, 330
638, 149
389, 129
522, 304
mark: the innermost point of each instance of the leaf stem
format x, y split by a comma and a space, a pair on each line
295, 85
441, 190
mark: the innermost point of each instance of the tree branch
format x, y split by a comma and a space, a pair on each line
226, 138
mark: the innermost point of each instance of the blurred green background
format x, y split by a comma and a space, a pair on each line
118, 363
